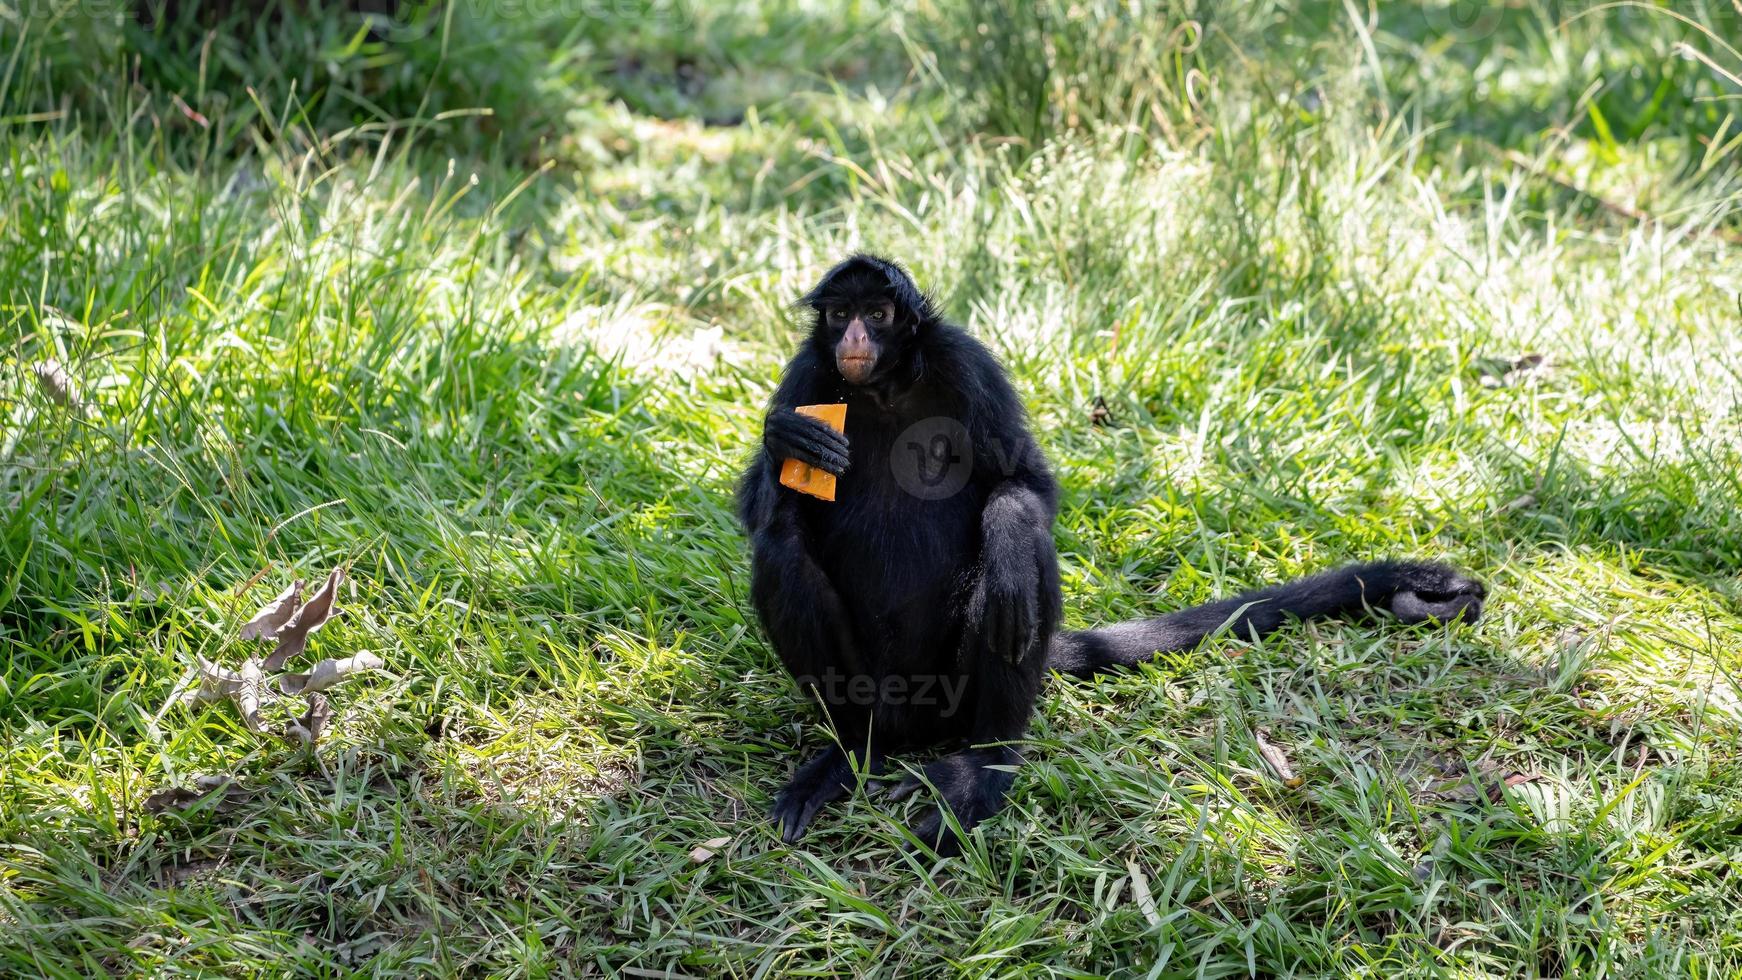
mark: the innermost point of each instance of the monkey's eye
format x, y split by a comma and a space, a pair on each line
838, 314
877, 315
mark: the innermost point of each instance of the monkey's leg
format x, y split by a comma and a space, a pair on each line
973, 782
1010, 615
967, 786
808, 626
801, 612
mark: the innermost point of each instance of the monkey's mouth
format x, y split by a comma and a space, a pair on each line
856, 368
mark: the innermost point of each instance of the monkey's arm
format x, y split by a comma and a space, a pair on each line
1012, 611
1014, 605
972, 782
800, 609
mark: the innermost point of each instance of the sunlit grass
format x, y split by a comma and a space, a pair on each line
506, 367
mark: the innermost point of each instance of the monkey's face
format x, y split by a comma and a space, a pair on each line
868, 313
860, 332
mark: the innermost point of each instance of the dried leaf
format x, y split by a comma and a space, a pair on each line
248, 695
201, 788
708, 849
1099, 413
207, 681
1512, 779
328, 673
1487, 780
1518, 503
52, 378
321, 607
210, 682
190, 112
1140, 891
274, 615
313, 722
1277, 759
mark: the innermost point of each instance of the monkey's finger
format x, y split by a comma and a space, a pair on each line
787, 823
819, 440
1003, 626
833, 450
788, 430
817, 432
834, 457
823, 459
904, 789
1026, 628
794, 821
934, 835
833, 464
826, 435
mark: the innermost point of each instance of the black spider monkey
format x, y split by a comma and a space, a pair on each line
922, 606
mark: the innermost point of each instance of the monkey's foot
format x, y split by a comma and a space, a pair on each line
827, 777
965, 785
1432, 592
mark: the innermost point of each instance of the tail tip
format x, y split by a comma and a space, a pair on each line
1433, 592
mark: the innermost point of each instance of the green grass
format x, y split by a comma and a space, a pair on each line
504, 367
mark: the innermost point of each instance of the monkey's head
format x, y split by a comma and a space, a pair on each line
868, 313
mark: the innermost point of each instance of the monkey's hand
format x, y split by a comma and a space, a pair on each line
789, 435
1003, 608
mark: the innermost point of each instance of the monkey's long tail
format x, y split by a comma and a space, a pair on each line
1414, 592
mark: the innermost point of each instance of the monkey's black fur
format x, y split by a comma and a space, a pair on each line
935, 568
